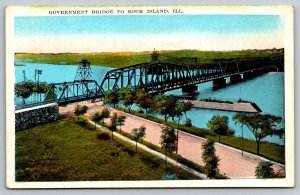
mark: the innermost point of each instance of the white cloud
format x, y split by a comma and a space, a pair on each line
121, 42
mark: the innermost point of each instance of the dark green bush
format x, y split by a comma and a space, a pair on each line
188, 122
230, 132
102, 136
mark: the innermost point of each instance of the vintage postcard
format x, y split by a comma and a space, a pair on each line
149, 96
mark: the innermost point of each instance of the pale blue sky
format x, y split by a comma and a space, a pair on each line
149, 24
54, 34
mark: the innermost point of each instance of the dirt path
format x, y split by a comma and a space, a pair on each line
232, 163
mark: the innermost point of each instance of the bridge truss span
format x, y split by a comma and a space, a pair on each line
68, 92
156, 77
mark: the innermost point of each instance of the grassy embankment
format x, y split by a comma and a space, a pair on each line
65, 151
123, 59
271, 151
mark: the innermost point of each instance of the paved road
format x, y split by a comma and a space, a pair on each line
232, 163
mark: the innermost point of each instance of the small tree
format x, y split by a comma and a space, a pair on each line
138, 133
164, 105
168, 141
41, 87
210, 159
80, 110
24, 90
261, 126
111, 97
104, 113
187, 106
113, 124
120, 120
127, 97
218, 125
264, 170
96, 117
144, 100
239, 118
179, 109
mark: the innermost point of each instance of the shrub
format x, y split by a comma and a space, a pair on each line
79, 110
230, 132
102, 136
81, 121
140, 110
188, 122
264, 170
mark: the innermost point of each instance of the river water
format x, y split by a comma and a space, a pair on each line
267, 91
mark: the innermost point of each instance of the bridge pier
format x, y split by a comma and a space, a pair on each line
257, 73
247, 76
190, 89
235, 78
219, 83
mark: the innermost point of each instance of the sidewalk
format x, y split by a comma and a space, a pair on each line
158, 154
232, 163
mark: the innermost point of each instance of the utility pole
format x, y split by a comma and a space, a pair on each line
37, 74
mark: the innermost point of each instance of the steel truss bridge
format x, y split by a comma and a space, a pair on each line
156, 77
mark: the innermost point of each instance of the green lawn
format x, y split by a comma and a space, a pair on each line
271, 151
65, 151
123, 59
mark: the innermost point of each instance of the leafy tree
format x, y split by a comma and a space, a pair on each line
144, 100
168, 140
113, 124
238, 118
261, 126
219, 125
41, 87
179, 109
187, 106
120, 120
96, 117
24, 89
111, 97
210, 159
80, 110
127, 97
164, 105
104, 113
264, 170
138, 133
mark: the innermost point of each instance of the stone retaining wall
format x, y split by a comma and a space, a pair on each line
31, 117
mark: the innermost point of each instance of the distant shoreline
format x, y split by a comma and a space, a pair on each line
124, 59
